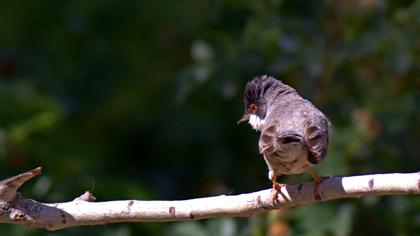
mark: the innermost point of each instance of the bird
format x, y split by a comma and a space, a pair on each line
294, 134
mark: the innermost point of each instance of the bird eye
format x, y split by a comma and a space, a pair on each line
253, 107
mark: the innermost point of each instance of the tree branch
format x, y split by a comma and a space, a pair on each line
16, 209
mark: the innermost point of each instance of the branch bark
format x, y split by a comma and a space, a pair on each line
15, 209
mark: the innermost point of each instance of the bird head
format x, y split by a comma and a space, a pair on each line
260, 94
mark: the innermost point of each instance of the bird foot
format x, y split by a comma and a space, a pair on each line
316, 184
275, 192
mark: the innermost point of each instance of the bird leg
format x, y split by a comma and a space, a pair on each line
276, 187
317, 181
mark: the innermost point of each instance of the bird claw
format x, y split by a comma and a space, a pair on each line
316, 184
275, 192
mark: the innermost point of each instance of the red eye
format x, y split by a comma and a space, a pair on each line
253, 107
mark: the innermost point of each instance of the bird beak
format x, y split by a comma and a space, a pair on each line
244, 118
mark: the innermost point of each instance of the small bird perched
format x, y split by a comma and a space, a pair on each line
294, 133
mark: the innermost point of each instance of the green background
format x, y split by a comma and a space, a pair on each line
139, 100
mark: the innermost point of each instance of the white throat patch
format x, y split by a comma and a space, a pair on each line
256, 122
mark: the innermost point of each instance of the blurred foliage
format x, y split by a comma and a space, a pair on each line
139, 100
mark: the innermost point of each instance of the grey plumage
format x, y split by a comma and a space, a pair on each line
294, 133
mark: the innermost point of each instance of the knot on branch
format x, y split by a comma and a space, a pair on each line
87, 197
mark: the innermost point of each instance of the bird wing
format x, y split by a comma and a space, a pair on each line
272, 140
317, 138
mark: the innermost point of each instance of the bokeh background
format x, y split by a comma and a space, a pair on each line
139, 100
